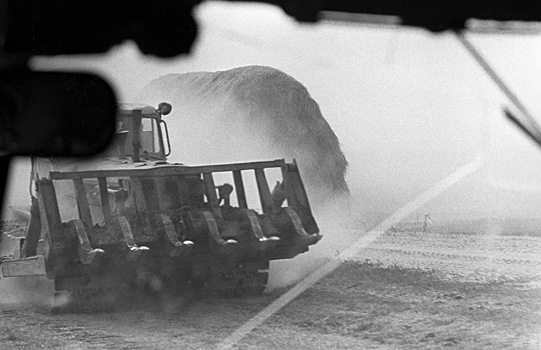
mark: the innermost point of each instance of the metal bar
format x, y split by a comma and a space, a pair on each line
210, 192
182, 191
239, 188
214, 234
164, 197
296, 186
104, 197
165, 170
50, 216
533, 128
210, 189
151, 194
140, 204
87, 254
286, 182
139, 196
133, 251
173, 245
82, 201
136, 136
521, 126
264, 191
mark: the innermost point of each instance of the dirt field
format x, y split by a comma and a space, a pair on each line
408, 290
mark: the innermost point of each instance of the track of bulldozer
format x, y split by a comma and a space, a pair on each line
90, 295
80, 295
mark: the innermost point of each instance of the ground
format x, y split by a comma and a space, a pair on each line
408, 290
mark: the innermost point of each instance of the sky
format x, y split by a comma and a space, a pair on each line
409, 106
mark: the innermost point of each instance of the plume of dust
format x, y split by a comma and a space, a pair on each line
246, 114
27, 291
259, 113
337, 226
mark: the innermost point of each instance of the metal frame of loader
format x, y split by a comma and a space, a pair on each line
171, 231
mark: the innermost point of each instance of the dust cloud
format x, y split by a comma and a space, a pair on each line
260, 113
27, 291
335, 225
251, 113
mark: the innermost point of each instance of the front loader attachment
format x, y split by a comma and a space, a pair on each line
168, 222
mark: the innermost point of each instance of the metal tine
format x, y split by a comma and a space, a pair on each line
264, 191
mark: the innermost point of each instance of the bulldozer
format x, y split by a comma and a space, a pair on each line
127, 218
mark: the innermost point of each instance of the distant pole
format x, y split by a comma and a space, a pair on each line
426, 222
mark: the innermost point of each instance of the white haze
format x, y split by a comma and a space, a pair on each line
408, 106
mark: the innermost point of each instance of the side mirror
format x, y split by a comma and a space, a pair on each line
165, 108
55, 114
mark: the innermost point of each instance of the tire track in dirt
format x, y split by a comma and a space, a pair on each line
466, 257
472, 255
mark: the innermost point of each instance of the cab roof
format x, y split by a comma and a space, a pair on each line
128, 108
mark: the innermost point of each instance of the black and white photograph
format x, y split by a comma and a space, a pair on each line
273, 174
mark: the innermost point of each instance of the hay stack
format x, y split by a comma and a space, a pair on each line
251, 113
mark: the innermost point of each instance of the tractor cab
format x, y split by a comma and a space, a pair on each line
141, 133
